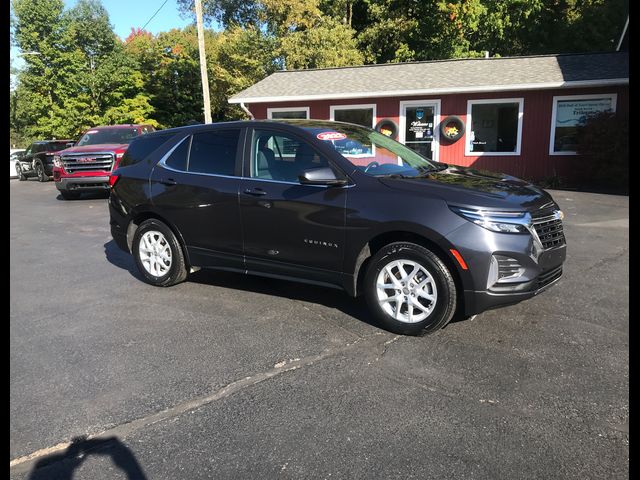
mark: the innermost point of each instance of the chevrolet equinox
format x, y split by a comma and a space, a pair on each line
337, 205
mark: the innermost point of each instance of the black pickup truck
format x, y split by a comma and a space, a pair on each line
38, 159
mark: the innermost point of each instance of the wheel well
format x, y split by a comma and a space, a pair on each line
141, 217
376, 243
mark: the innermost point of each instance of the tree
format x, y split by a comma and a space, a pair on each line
328, 44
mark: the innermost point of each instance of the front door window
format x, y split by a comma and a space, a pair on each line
419, 129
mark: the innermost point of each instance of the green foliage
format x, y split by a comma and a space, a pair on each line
328, 44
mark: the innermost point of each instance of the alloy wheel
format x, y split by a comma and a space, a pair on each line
155, 253
406, 291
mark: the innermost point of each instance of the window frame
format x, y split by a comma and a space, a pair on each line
469, 129
238, 166
271, 111
554, 112
361, 106
437, 117
248, 165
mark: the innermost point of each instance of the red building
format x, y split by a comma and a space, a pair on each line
519, 114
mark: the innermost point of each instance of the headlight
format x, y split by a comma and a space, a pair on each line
502, 222
56, 161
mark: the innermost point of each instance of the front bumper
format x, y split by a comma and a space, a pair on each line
83, 184
479, 301
541, 268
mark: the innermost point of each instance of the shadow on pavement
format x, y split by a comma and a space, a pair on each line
354, 307
85, 196
61, 466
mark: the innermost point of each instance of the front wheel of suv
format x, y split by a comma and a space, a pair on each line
409, 290
158, 254
21, 176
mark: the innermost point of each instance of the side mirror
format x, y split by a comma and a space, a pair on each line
321, 176
70, 144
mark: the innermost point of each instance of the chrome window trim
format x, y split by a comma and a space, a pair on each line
163, 160
162, 163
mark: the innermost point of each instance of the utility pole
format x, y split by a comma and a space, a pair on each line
203, 63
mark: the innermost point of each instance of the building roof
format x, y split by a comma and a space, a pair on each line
441, 77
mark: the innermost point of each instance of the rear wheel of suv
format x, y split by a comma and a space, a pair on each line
158, 254
409, 290
42, 175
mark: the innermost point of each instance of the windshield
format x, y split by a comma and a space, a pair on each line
108, 135
371, 152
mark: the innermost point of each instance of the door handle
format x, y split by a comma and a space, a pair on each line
168, 181
255, 191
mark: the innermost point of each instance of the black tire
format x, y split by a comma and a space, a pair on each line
21, 175
67, 195
445, 303
452, 120
42, 175
177, 271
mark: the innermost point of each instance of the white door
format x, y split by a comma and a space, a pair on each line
419, 122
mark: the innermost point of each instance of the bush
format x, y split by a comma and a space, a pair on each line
603, 146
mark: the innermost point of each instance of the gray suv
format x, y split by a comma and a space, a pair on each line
337, 205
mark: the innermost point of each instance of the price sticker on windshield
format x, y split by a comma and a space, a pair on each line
331, 136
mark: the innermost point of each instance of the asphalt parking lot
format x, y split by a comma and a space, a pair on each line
227, 376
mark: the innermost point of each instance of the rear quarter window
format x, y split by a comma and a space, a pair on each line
141, 147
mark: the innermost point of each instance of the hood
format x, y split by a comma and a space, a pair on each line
469, 187
102, 147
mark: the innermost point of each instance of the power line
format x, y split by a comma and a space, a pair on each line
165, 1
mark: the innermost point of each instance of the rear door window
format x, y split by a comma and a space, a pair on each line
214, 152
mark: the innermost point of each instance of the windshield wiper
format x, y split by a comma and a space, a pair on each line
392, 175
435, 168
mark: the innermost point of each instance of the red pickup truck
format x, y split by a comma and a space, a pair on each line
86, 166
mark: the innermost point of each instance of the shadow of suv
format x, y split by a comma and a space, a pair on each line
419, 239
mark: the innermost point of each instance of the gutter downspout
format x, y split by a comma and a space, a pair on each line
624, 30
246, 110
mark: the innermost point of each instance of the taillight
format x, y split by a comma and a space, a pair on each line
113, 178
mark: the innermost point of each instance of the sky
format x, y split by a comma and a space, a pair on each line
127, 14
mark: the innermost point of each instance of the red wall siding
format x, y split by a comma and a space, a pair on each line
534, 161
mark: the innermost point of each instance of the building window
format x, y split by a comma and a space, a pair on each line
569, 114
288, 112
364, 115
494, 126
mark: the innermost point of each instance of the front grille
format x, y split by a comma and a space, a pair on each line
547, 277
87, 162
549, 230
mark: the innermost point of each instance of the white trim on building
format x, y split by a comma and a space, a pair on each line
434, 91
468, 139
436, 122
554, 111
270, 111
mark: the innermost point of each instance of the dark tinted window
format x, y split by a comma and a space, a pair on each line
55, 146
141, 147
178, 158
214, 152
